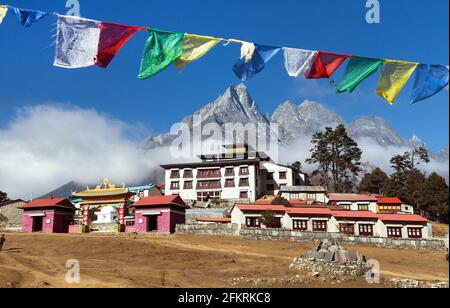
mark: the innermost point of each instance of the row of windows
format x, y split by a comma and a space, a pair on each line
208, 173
282, 176
205, 196
361, 207
364, 229
229, 183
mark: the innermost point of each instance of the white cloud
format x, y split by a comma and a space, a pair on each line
49, 145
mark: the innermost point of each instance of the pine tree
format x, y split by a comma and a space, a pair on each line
338, 158
3, 197
434, 197
373, 182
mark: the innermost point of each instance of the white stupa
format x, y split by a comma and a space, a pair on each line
108, 215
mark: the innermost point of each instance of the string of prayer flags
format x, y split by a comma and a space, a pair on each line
28, 17
325, 65
83, 42
161, 50
76, 42
430, 80
394, 77
3, 12
112, 38
250, 63
358, 69
195, 47
298, 61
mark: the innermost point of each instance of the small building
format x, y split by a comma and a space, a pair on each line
11, 214
329, 219
310, 194
387, 205
47, 216
354, 202
158, 214
144, 191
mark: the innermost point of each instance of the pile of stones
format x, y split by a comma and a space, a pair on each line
332, 260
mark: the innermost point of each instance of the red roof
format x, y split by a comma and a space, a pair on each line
310, 211
351, 197
218, 220
355, 214
256, 207
157, 201
384, 200
49, 203
402, 218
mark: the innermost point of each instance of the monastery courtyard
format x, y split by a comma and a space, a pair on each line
38, 260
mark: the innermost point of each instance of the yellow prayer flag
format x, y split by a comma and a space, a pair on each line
3, 11
394, 76
195, 47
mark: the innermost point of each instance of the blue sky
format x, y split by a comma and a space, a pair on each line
409, 30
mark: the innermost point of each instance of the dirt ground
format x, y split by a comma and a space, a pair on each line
37, 260
440, 230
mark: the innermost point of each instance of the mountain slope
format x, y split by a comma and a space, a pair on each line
295, 121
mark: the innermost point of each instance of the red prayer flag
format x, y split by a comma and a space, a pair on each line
325, 65
112, 38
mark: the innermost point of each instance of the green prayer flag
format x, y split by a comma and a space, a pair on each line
358, 70
161, 50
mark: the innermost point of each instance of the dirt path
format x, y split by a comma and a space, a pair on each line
32, 260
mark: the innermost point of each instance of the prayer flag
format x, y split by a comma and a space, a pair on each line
357, 71
394, 77
28, 17
3, 12
161, 50
195, 47
298, 61
248, 66
430, 80
325, 65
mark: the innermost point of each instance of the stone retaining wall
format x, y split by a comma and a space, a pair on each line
289, 235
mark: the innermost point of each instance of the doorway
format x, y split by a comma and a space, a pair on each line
37, 224
152, 223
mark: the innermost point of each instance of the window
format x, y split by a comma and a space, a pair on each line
283, 175
229, 172
208, 195
230, 183
209, 185
175, 174
208, 173
244, 171
301, 225
252, 222
243, 195
175, 186
294, 196
394, 232
188, 174
390, 209
363, 207
244, 182
348, 229
415, 232
319, 226
188, 185
311, 197
366, 230
348, 207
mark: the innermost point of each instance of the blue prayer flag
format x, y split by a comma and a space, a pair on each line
430, 80
28, 17
247, 69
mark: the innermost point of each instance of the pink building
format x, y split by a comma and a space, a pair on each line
47, 216
158, 214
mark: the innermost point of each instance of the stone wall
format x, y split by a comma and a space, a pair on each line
289, 235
